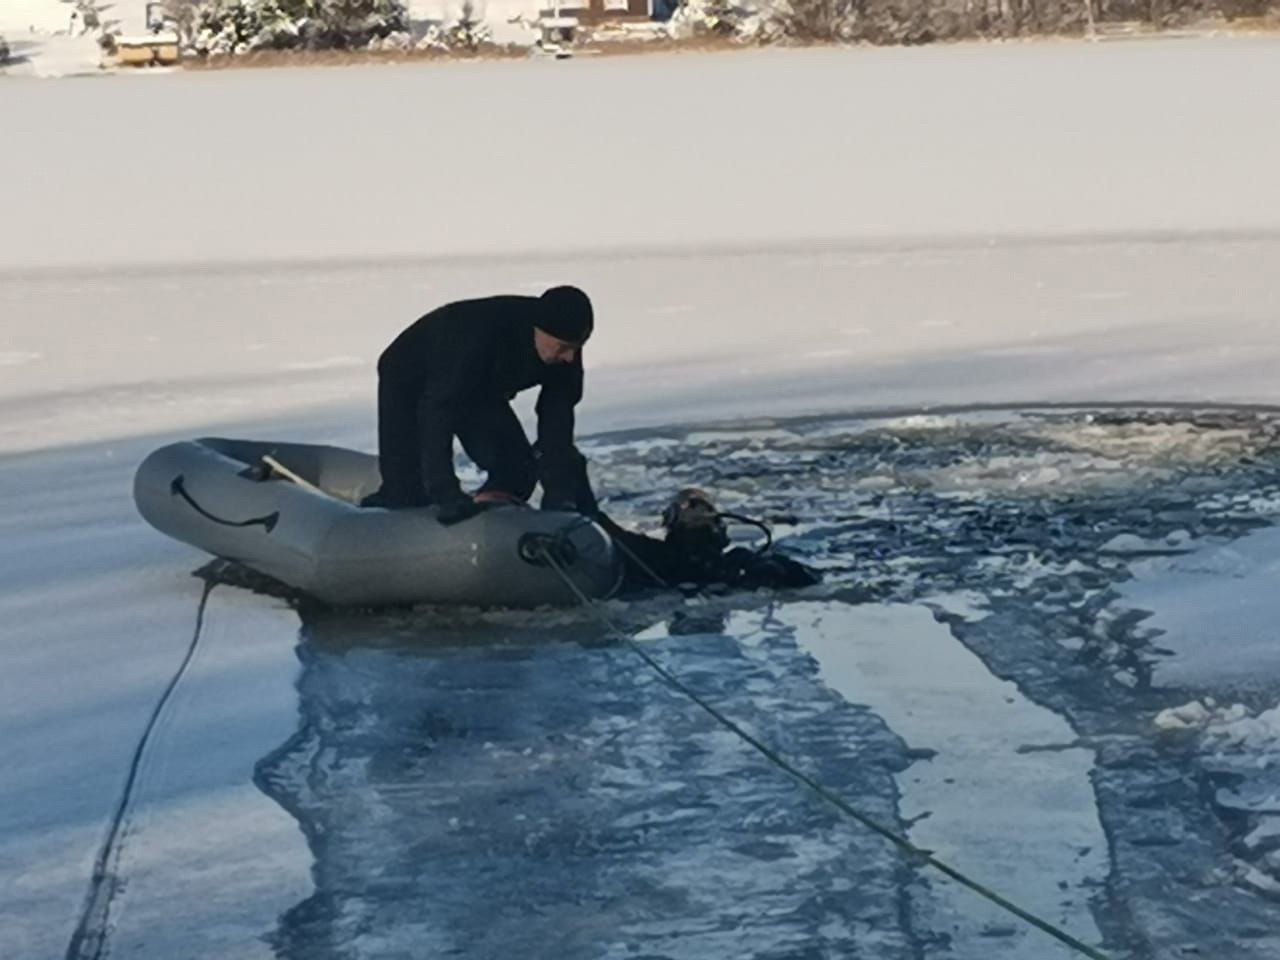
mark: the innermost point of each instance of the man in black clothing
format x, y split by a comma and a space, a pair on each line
453, 373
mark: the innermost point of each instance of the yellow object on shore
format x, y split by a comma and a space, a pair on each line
151, 51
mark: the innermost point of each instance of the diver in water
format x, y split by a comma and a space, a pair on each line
694, 552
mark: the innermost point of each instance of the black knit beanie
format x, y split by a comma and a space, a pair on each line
566, 314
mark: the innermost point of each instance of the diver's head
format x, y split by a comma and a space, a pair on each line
693, 524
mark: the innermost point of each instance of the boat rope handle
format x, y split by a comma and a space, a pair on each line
913, 852
267, 522
534, 547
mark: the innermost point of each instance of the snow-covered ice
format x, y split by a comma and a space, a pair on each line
765, 148
1213, 601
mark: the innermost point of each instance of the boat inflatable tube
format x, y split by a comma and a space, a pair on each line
221, 496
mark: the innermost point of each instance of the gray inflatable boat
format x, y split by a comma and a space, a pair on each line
307, 532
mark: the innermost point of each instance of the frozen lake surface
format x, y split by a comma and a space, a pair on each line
1045, 648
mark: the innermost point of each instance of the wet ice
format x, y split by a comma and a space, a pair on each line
504, 795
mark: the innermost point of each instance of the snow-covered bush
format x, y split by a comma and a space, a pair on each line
345, 24
816, 19
926, 21
401, 40
213, 27
224, 27
716, 17
712, 18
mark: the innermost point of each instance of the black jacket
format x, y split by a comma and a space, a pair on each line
470, 355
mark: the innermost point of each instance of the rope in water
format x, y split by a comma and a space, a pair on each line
89, 939
915, 853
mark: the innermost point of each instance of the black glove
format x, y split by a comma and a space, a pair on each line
585, 504
457, 510
565, 484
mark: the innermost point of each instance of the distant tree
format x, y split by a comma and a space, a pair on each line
468, 32
817, 20
183, 17
326, 24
